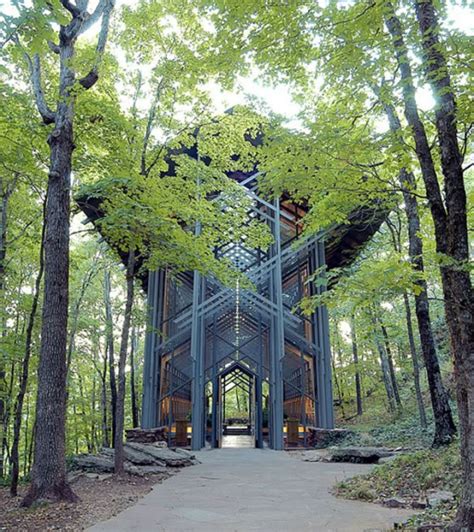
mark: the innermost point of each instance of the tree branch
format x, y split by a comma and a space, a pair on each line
53, 47
90, 19
47, 115
106, 7
72, 8
149, 125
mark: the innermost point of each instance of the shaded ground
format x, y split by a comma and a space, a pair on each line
100, 499
413, 478
254, 490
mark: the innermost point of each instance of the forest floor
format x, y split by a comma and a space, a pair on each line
409, 481
418, 474
101, 497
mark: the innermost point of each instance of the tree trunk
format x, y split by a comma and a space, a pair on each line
444, 423
49, 467
110, 350
355, 359
3, 239
120, 411
93, 431
422, 146
26, 429
105, 428
391, 365
3, 385
457, 287
14, 456
384, 366
32, 446
338, 387
75, 314
415, 362
132, 379
337, 349
83, 414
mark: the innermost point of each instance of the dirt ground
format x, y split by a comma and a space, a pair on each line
101, 497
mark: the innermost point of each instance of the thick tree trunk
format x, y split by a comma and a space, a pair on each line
14, 455
444, 423
457, 287
133, 392
415, 362
120, 411
355, 360
49, 467
110, 351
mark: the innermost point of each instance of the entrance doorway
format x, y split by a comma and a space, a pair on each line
237, 412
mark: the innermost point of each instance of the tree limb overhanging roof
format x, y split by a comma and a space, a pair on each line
343, 242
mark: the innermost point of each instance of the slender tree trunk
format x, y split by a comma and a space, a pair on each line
3, 383
75, 314
26, 430
457, 287
391, 365
9, 393
384, 365
14, 456
355, 359
110, 350
32, 446
7, 415
120, 411
338, 387
444, 423
337, 346
76, 431
85, 431
93, 413
105, 428
415, 362
132, 379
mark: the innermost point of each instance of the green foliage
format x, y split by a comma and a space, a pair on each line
158, 80
409, 477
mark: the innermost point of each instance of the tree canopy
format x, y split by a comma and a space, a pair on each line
118, 111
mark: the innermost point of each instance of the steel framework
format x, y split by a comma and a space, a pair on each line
200, 331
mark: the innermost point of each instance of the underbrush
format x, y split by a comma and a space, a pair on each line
398, 429
410, 478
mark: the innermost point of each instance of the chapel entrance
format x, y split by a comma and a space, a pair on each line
237, 408
238, 365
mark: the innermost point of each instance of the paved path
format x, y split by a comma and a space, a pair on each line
253, 490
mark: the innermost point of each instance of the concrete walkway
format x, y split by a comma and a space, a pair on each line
248, 490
